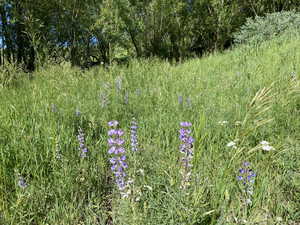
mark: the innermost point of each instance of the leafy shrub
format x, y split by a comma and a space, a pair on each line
260, 29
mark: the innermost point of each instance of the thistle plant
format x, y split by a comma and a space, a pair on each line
133, 135
82, 146
186, 148
115, 143
247, 178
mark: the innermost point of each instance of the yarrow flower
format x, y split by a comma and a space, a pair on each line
82, 146
266, 146
222, 123
118, 161
133, 135
186, 147
231, 144
247, 178
238, 123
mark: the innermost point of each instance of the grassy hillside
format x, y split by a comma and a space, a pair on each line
234, 100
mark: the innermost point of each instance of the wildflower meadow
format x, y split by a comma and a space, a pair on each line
210, 141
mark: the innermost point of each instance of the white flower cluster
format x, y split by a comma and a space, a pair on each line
266, 146
232, 144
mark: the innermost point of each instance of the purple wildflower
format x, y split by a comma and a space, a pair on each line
22, 182
185, 124
180, 100
247, 178
133, 136
77, 112
186, 147
118, 161
82, 146
113, 123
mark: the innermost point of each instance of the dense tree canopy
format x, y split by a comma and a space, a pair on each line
93, 31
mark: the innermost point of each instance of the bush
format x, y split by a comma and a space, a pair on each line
260, 29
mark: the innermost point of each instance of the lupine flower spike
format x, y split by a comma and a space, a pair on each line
133, 135
247, 178
186, 148
82, 146
180, 99
118, 161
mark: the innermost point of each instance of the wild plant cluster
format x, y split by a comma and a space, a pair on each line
263, 28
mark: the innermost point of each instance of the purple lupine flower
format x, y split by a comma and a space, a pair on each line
77, 112
22, 182
180, 99
186, 147
133, 135
113, 123
185, 124
82, 146
247, 178
118, 161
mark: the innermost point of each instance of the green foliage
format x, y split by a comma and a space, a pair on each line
90, 32
260, 29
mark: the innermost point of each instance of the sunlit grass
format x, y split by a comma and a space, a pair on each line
256, 90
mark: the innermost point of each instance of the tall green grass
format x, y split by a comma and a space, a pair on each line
256, 90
